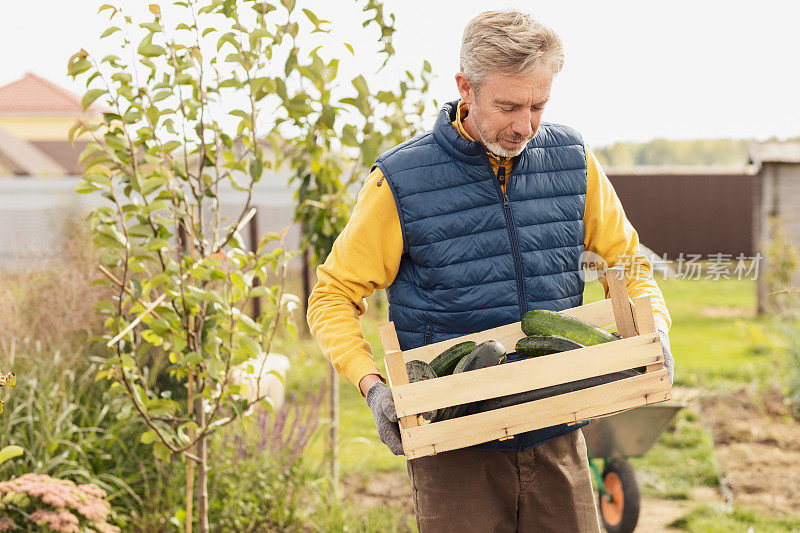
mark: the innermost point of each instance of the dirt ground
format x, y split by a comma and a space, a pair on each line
758, 450
386, 488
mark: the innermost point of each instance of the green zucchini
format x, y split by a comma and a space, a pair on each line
546, 392
445, 362
419, 371
484, 355
544, 322
538, 345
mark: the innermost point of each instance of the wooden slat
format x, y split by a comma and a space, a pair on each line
597, 313
620, 302
395, 366
507, 335
528, 374
652, 387
643, 315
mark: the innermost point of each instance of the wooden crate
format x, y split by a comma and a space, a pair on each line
639, 346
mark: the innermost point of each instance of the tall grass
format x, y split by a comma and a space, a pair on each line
71, 426
52, 302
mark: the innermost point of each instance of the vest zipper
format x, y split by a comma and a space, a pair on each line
501, 179
428, 334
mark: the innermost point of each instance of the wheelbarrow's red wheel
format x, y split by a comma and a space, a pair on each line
620, 511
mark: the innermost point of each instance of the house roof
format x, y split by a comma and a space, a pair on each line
35, 95
775, 152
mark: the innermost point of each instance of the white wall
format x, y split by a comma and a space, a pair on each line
33, 210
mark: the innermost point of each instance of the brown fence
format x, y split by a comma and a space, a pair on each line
689, 210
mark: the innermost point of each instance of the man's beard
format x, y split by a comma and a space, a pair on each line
492, 145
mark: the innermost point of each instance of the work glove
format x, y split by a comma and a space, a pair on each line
669, 362
379, 399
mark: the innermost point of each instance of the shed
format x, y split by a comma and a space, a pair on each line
776, 213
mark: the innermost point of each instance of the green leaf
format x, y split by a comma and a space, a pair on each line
161, 451
84, 187
155, 27
312, 17
152, 337
349, 135
184, 428
228, 38
247, 349
9, 452
236, 185
148, 49
209, 296
259, 291
161, 95
148, 437
171, 145
112, 232
216, 368
256, 169
76, 128
97, 179
158, 204
361, 85
78, 63
109, 31
140, 230
157, 244
249, 325
350, 47
90, 96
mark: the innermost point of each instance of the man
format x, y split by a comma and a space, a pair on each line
467, 227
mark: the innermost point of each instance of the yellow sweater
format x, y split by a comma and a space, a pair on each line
366, 256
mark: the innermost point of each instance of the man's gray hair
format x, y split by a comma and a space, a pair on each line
509, 42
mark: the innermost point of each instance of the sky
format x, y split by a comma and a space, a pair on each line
634, 70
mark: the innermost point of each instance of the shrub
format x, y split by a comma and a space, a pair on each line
53, 504
262, 481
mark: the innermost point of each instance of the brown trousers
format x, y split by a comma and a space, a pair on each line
546, 488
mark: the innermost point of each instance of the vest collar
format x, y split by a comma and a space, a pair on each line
470, 152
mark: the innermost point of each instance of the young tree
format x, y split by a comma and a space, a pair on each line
218, 91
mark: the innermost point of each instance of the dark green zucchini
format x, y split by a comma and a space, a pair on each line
484, 355
445, 362
544, 322
538, 345
546, 392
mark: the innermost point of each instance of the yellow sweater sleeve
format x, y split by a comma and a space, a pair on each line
365, 256
610, 235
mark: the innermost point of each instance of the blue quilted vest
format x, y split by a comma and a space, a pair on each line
475, 258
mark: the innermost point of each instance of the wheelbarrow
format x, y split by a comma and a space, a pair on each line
613, 439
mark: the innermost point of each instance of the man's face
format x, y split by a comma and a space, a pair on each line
506, 110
